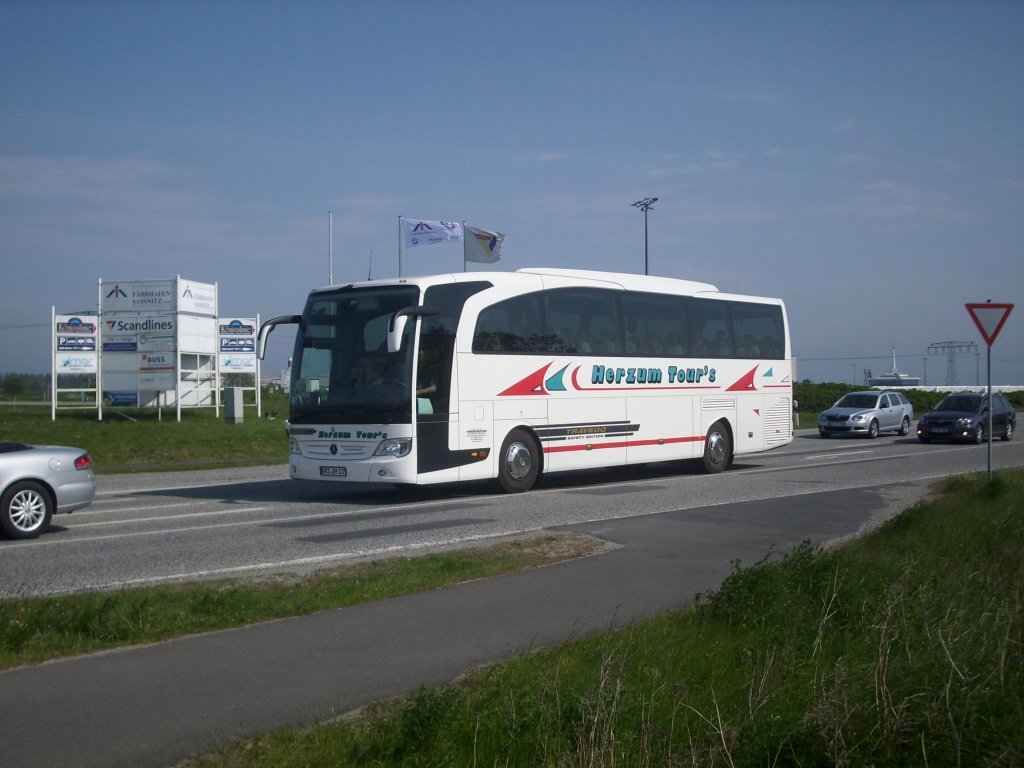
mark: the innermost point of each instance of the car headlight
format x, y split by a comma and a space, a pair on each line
964, 423
856, 418
394, 446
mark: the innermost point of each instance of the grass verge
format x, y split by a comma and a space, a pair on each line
905, 647
141, 440
41, 628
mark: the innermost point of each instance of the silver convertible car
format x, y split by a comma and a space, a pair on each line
38, 481
867, 414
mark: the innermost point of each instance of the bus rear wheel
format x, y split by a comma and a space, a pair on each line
519, 462
717, 449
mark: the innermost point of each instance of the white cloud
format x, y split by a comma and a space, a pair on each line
543, 157
854, 159
902, 202
129, 183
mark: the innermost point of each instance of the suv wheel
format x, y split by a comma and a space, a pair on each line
1008, 432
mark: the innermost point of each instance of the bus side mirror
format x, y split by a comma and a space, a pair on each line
267, 327
395, 331
399, 320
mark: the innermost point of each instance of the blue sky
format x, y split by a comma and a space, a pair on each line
863, 161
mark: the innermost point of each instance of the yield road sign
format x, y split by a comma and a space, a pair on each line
989, 318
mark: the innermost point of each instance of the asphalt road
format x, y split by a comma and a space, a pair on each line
179, 526
676, 533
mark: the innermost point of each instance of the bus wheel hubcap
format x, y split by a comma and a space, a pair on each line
716, 448
518, 461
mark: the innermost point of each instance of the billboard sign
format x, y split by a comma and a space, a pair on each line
238, 363
137, 333
138, 296
78, 325
157, 371
197, 298
74, 343
237, 335
75, 362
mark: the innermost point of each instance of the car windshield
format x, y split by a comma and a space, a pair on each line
960, 403
857, 401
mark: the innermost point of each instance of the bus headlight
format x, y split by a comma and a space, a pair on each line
293, 445
394, 446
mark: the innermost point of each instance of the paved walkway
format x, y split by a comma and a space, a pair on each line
156, 705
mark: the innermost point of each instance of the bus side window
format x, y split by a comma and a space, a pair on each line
712, 327
758, 330
656, 324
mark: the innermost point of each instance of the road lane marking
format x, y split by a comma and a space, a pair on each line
842, 454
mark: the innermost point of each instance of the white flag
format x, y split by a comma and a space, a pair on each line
420, 232
483, 246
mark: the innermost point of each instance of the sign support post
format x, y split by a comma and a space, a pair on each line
990, 319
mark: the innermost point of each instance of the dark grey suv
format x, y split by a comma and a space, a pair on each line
964, 417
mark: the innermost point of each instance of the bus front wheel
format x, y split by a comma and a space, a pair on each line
717, 448
519, 462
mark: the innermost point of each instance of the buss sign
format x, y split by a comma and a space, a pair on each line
990, 319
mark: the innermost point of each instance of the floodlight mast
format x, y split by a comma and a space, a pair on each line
645, 205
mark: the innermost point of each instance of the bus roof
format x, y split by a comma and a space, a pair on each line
625, 280
579, 276
562, 278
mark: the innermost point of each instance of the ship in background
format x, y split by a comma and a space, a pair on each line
891, 379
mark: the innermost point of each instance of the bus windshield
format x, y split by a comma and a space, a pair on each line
341, 370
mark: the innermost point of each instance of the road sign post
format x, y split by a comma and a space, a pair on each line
990, 319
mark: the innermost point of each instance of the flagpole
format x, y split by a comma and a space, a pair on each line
330, 248
399, 245
464, 241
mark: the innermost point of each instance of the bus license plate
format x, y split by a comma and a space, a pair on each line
333, 471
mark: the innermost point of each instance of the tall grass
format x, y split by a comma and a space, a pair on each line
902, 648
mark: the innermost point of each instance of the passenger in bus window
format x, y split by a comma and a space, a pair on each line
368, 372
697, 345
428, 376
720, 346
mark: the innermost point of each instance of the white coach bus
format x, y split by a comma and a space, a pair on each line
511, 375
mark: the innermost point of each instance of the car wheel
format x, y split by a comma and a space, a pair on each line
979, 435
25, 510
1008, 432
717, 449
519, 462
872, 430
905, 426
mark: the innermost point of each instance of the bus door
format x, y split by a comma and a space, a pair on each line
436, 408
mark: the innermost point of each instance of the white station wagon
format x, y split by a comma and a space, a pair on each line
867, 414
